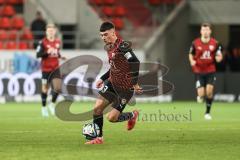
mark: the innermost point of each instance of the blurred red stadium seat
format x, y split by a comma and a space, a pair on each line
120, 11
3, 35
27, 34
11, 45
1, 45
12, 2
12, 34
20, 1
178, 1
5, 23
8, 10
107, 11
118, 22
18, 22
22, 45
1, 11
109, 2
9, 27
154, 2
168, 1
96, 2
30, 45
2, 2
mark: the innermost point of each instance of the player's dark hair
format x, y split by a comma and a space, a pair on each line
106, 26
206, 25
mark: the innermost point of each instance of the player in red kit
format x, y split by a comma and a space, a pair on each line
48, 50
204, 52
118, 83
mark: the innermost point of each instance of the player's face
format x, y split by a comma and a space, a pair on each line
108, 36
51, 32
206, 32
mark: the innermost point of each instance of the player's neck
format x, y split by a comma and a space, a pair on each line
114, 40
205, 40
51, 39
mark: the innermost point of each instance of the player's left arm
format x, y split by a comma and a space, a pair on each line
60, 55
125, 48
40, 50
219, 55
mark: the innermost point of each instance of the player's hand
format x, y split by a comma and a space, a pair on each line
99, 83
137, 89
193, 62
218, 58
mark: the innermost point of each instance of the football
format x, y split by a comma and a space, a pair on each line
90, 131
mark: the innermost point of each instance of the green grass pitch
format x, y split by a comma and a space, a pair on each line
182, 134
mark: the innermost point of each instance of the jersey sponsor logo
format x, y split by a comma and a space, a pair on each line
121, 106
211, 47
113, 54
104, 89
112, 64
123, 101
57, 45
199, 48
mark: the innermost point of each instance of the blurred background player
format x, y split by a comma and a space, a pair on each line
49, 51
118, 83
38, 27
202, 56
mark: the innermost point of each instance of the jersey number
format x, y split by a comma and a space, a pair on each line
206, 55
53, 52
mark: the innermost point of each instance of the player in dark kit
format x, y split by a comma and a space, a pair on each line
48, 50
204, 52
118, 83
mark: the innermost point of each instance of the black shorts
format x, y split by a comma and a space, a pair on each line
203, 79
118, 97
46, 77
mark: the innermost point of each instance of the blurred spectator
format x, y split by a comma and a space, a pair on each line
234, 59
38, 27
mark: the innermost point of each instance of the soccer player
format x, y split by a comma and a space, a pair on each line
118, 83
204, 52
48, 50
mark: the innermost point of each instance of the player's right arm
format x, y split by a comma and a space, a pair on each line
191, 55
105, 76
40, 51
